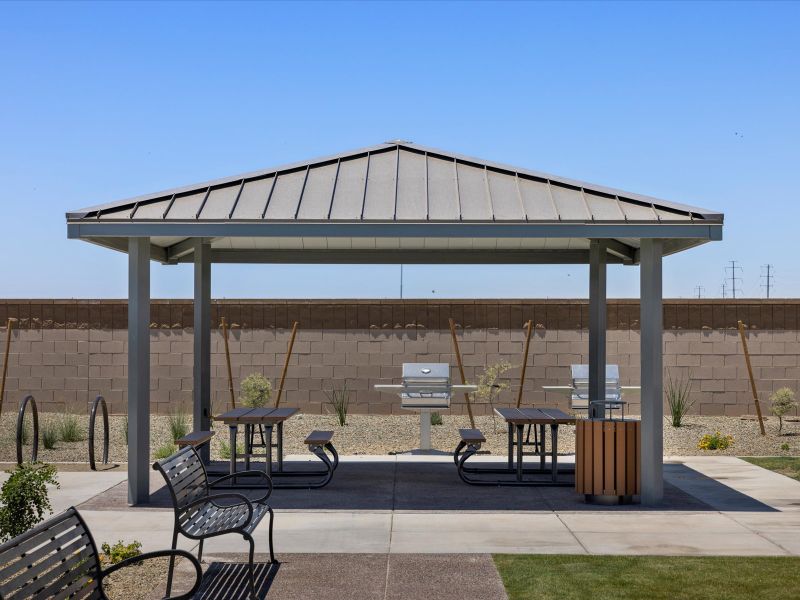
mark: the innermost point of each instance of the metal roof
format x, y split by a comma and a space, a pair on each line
392, 197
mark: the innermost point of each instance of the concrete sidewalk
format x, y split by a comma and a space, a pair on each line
416, 505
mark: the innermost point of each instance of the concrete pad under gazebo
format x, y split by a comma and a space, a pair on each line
395, 203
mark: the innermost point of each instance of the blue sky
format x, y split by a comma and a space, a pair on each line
695, 103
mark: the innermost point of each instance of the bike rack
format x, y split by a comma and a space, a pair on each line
99, 401
21, 423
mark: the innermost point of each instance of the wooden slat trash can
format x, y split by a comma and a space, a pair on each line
607, 460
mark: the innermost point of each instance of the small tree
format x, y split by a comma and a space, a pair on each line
256, 390
24, 498
782, 402
489, 387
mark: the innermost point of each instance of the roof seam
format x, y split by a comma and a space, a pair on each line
269, 196
236, 202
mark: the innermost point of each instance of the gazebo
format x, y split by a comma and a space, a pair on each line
394, 203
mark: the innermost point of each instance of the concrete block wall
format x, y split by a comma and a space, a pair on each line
66, 364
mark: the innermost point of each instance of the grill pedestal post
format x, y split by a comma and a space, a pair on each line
424, 429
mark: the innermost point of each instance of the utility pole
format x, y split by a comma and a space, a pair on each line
724, 290
767, 274
700, 291
733, 269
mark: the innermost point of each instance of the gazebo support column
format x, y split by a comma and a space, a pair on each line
138, 370
652, 329
201, 394
597, 328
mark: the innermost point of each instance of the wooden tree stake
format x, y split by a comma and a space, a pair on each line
461, 370
752, 380
529, 325
5, 363
224, 327
286, 364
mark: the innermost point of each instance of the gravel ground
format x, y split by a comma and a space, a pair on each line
372, 434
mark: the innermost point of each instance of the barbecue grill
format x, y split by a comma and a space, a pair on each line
425, 387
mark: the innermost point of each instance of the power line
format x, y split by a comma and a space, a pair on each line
724, 290
700, 291
733, 269
767, 274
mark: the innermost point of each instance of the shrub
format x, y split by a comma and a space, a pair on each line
785, 447
178, 426
49, 435
256, 391
678, 397
340, 401
436, 418
69, 429
24, 498
715, 441
120, 551
225, 449
782, 402
165, 451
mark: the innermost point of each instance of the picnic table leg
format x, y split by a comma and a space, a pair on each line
554, 450
280, 447
248, 445
520, 429
542, 447
269, 450
232, 467
510, 447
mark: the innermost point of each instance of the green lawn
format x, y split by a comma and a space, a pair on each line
785, 465
569, 577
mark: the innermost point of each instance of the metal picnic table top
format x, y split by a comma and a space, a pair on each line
535, 416
258, 416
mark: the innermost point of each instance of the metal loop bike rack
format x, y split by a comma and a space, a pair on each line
99, 401
21, 423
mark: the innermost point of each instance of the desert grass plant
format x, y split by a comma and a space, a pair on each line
24, 499
178, 426
782, 402
69, 428
436, 418
49, 435
715, 441
225, 449
339, 400
679, 399
489, 387
165, 450
256, 391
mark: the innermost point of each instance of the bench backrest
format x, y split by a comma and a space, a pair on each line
57, 558
185, 475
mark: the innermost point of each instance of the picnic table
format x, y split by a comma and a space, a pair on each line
516, 419
267, 419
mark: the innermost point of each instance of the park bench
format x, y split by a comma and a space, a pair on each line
58, 559
202, 512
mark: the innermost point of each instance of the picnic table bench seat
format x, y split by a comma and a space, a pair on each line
195, 439
58, 559
320, 443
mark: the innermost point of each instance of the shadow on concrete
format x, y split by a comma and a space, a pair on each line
435, 486
231, 581
712, 492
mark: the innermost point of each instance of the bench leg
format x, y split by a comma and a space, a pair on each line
470, 450
271, 549
320, 452
457, 452
334, 453
172, 561
251, 568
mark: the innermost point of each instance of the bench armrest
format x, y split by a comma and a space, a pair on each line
160, 554
261, 474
